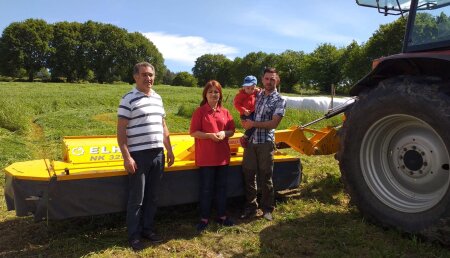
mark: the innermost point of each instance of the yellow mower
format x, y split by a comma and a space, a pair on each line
91, 178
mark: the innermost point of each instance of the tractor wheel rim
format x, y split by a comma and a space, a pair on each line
404, 162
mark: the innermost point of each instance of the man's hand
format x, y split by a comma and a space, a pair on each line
247, 124
130, 165
170, 158
247, 112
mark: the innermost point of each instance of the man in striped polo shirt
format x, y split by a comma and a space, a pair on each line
141, 134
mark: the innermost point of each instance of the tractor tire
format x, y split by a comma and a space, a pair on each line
395, 152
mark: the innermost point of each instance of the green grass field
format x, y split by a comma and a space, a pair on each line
315, 220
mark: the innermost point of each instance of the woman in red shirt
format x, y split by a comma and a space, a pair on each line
211, 126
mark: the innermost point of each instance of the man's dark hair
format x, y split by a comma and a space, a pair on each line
270, 70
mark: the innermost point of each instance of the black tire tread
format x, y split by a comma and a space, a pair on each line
415, 90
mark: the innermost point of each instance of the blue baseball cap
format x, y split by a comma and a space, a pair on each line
250, 81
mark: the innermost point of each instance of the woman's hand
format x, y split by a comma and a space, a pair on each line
214, 137
221, 135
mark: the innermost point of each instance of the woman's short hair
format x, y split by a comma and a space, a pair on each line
208, 85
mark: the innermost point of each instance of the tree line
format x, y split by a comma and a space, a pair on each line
327, 65
104, 53
90, 51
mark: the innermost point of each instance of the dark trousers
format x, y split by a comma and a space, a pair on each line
250, 131
258, 164
143, 189
213, 182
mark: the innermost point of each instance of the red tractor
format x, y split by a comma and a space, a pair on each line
395, 141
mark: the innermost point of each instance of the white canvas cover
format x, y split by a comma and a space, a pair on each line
322, 104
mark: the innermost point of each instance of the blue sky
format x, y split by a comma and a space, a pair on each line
186, 29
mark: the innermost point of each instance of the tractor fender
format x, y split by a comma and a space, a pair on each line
429, 64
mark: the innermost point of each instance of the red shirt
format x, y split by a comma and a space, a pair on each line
208, 152
244, 101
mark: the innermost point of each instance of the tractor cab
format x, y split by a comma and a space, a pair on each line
428, 22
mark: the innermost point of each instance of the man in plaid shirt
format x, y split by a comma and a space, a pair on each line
258, 156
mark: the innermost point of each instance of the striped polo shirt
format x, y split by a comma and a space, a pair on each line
145, 116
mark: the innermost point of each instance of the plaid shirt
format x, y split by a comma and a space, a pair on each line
265, 108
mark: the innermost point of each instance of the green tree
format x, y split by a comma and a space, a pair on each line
67, 59
225, 77
25, 45
212, 67
290, 68
9, 63
251, 64
322, 67
112, 52
139, 49
236, 79
168, 77
443, 24
185, 79
89, 37
106, 57
387, 40
91, 51
425, 28
354, 64
271, 60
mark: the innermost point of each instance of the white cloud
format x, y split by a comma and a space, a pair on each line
186, 49
299, 28
308, 30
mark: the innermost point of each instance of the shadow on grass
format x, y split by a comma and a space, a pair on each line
97, 234
341, 235
323, 190
319, 234
23, 237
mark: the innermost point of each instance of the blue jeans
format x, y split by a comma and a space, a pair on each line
250, 131
143, 189
213, 182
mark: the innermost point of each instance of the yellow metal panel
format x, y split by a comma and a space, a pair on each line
99, 156
37, 169
91, 149
30, 170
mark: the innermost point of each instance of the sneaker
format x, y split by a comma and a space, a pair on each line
153, 237
227, 222
201, 226
243, 141
248, 214
268, 216
137, 245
